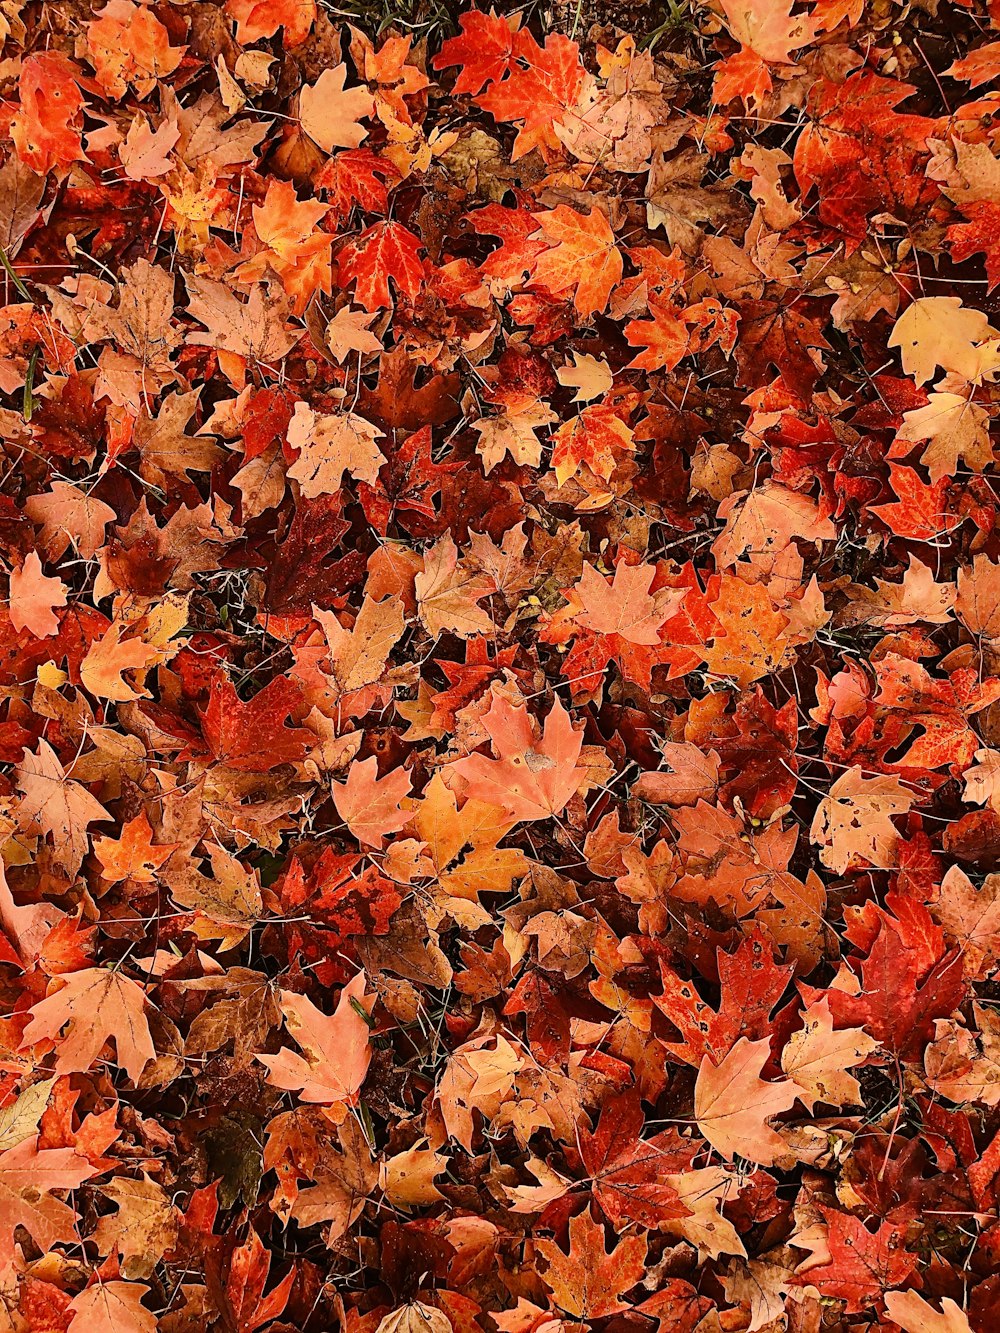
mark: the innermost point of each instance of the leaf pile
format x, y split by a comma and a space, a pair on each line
500, 725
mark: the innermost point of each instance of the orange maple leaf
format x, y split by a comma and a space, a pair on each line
582, 259
133, 856
664, 336
293, 245
57, 805
588, 1282
370, 805
532, 778
732, 1103
259, 19
28, 1178
337, 1047
112, 1307
34, 598
330, 113
624, 606
93, 1005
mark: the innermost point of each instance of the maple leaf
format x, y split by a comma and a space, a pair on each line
463, 843
34, 597
915, 1315
344, 1180
227, 906
979, 236
133, 856
447, 594
145, 153
408, 1177
591, 378
979, 66
782, 335
28, 928
337, 1047
582, 257
693, 776
751, 984
254, 330
541, 90
722, 866
971, 917
57, 805
101, 671
410, 447
762, 523
732, 1103
245, 1014
483, 1078
939, 331
129, 45
978, 599
961, 1065
630, 1176
484, 49
909, 977
588, 1282
532, 778
294, 248
624, 607
252, 737
817, 1059
620, 622
359, 655
93, 1005
21, 192
982, 782
357, 176
958, 430
46, 127
921, 511
250, 1266
165, 448
704, 1192
597, 438
512, 431
257, 19
415, 1318
305, 568
854, 822
330, 113
28, 1177
386, 250
141, 324
767, 35
329, 446
749, 640
521, 244
625, 112
348, 332
370, 805
861, 1264
142, 1230
19, 1119
112, 1307
918, 597
861, 154
665, 338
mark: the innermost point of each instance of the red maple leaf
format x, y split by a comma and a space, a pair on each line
386, 250
252, 736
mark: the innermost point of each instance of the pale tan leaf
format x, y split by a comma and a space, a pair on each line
732, 1103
